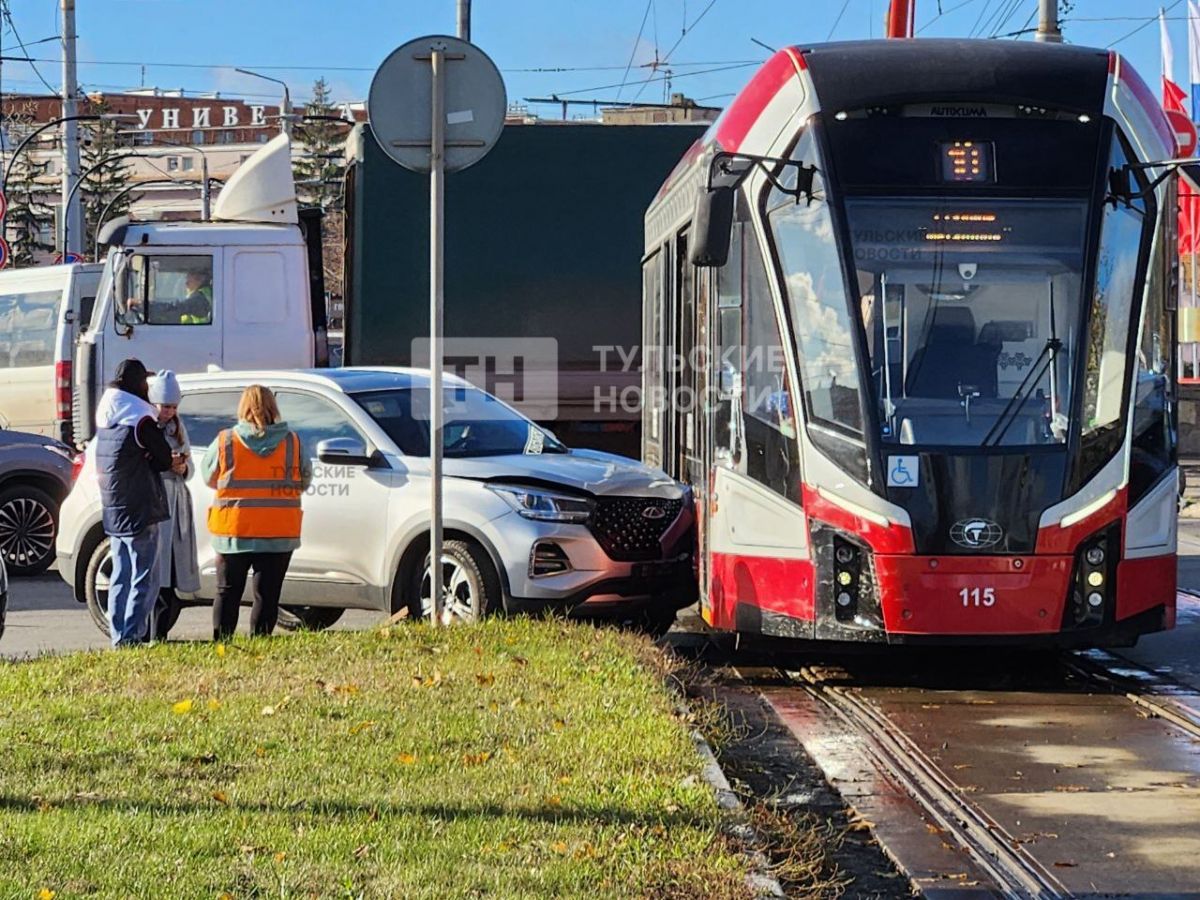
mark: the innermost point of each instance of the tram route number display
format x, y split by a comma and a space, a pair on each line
967, 162
978, 596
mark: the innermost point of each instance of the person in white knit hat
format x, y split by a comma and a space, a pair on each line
177, 564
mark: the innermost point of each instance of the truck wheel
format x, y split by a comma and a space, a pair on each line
28, 525
95, 583
308, 618
472, 585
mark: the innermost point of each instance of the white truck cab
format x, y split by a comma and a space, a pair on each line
231, 293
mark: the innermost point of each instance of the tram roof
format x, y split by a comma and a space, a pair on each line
853, 74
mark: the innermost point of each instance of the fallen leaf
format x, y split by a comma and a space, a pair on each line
559, 724
476, 759
486, 680
268, 710
280, 856
520, 661
225, 895
559, 846
220, 649
363, 726
260, 751
221, 797
44, 806
182, 707
478, 650
554, 800
213, 704
362, 850
46, 894
406, 759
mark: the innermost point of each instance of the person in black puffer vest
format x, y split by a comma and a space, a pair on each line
130, 452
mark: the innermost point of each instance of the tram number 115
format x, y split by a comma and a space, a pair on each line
978, 596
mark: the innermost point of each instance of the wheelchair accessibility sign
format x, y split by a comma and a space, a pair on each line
903, 471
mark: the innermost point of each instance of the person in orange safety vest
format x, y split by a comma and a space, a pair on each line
259, 469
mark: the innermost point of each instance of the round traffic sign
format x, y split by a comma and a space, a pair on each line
3, 206
399, 105
1185, 132
5, 253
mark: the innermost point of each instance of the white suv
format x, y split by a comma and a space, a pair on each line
529, 524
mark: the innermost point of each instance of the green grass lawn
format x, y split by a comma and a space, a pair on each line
512, 759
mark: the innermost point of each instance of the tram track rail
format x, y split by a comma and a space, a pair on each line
1107, 671
999, 856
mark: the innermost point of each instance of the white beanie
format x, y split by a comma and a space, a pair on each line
164, 388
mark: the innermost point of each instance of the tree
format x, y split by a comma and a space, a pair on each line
27, 214
319, 170
320, 166
104, 147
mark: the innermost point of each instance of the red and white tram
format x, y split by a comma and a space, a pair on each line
909, 334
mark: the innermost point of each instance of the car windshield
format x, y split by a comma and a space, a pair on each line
476, 423
971, 312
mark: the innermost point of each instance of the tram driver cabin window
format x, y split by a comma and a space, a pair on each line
168, 290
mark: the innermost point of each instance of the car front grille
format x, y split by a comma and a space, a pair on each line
631, 528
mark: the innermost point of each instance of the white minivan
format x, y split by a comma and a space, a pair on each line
41, 311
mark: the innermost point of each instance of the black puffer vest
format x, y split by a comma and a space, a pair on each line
131, 492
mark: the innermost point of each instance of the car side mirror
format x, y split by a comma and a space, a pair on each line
712, 226
344, 451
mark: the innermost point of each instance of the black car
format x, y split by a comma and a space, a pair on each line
35, 476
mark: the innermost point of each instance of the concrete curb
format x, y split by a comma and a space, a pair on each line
762, 883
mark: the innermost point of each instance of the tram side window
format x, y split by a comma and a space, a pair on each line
1153, 429
768, 417
812, 271
727, 444
652, 355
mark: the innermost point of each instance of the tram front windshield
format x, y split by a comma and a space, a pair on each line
971, 310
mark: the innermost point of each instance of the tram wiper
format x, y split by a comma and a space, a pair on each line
1020, 395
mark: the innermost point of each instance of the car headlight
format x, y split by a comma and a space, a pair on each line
61, 450
543, 505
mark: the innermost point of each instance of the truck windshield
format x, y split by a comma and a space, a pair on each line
476, 423
971, 310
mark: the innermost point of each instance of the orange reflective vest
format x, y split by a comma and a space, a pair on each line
257, 496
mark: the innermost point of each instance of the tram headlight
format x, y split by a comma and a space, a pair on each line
1095, 579
844, 599
844, 554
1095, 599
1094, 555
844, 578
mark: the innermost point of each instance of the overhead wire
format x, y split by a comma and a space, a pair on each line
838, 20
1150, 21
667, 56
633, 51
13, 28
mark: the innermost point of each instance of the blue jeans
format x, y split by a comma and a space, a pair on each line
133, 589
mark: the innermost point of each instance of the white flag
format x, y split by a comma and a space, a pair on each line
1194, 41
1168, 55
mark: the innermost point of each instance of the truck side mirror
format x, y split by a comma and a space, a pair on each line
712, 225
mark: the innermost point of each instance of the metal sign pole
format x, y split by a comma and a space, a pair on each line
437, 162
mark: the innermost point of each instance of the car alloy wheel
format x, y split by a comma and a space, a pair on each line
461, 603
27, 530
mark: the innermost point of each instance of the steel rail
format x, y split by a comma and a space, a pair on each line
1015, 873
1164, 707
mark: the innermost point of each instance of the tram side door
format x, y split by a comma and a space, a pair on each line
682, 365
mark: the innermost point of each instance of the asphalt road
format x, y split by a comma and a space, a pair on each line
43, 617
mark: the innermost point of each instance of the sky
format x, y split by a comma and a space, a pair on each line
583, 49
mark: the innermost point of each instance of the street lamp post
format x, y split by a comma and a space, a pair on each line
90, 117
205, 196
116, 157
133, 187
285, 113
